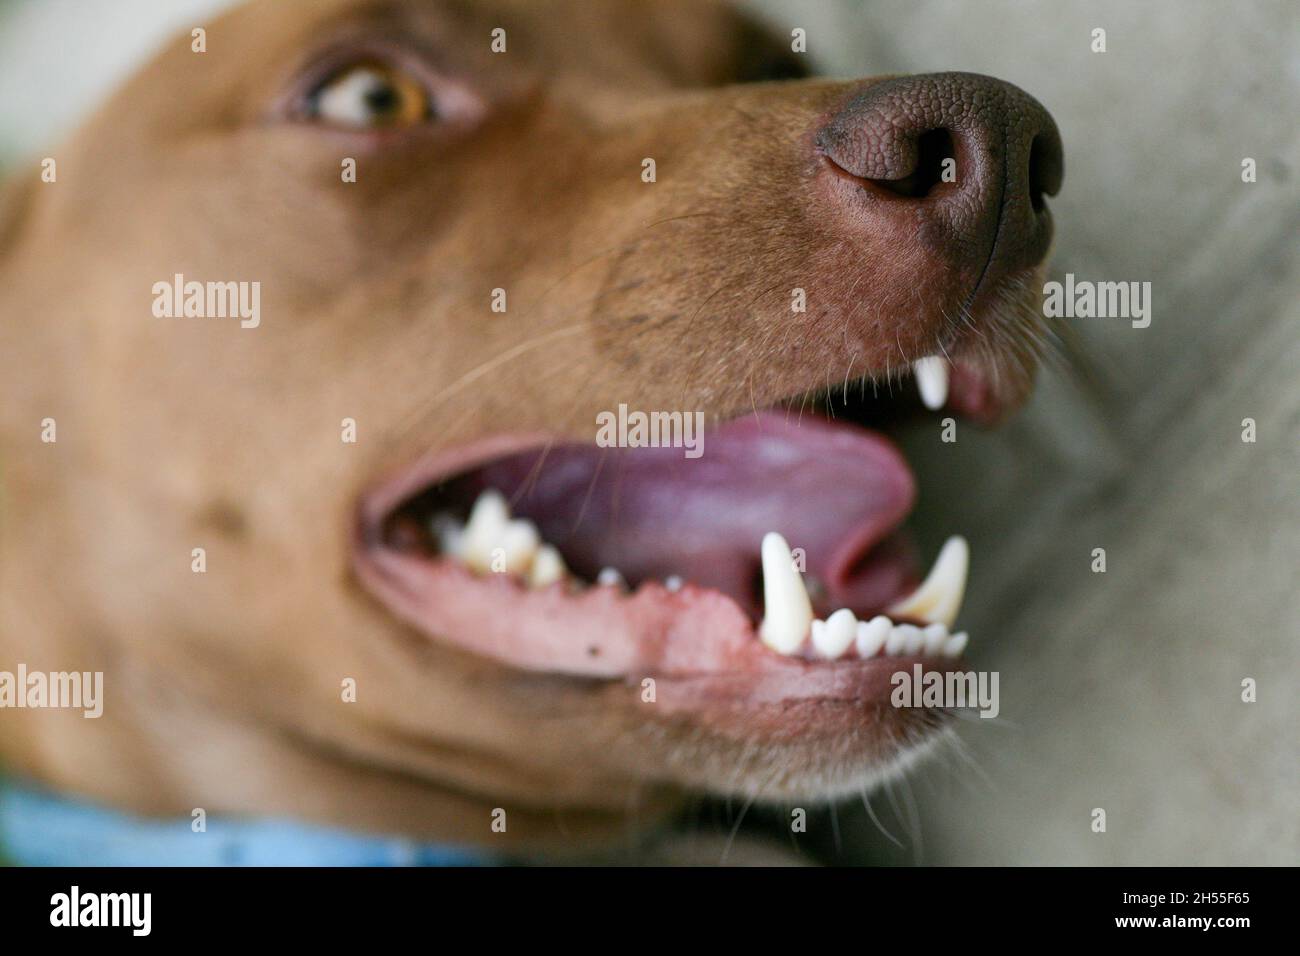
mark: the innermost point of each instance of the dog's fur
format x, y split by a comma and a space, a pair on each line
223, 688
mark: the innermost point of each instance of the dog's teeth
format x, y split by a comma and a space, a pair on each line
936, 637
841, 628
787, 612
872, 635
896, 640
520, 542
547, 568
932, 380
673, 583
913, 639
956, 644
449, 533
938, 599
610, 577
835, 635
485, 530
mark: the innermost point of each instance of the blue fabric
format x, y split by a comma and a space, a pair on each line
38, 828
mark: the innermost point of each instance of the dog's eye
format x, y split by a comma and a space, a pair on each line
371, 95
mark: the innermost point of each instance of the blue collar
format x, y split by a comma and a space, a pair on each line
38, 828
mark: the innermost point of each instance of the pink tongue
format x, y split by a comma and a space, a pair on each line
834, 490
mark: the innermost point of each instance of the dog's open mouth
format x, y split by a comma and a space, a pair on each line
779, 546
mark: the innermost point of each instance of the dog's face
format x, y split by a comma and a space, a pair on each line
505, 268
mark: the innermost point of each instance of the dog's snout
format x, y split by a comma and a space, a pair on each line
972, 155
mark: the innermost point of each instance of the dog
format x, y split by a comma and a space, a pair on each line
314, 318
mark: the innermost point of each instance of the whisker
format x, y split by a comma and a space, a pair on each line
866, 803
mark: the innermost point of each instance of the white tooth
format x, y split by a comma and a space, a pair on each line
872, 635
484, 530
938, 599
936, 636
547, 567
835, 635
932, 380
673, 583
520, 542
787, 612
895, 642
913, 638
610, 577
450, 534
956, 644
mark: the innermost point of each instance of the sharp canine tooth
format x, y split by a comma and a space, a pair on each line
938, 599
787, 612
932, 380
936, 636
547, 568
484, 530
835, 635
872, 635
610, 577
956, 644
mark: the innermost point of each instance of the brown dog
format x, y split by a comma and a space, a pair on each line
506, 267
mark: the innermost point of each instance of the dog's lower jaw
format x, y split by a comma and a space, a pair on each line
174, 763
850, 767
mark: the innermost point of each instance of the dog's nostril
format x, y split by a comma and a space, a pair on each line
1038, 179
1046, 162
905, 133
933, 148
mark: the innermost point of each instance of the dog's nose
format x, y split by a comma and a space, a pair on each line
970, 158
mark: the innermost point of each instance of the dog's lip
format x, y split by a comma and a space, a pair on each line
658, 630
972, 396
732, 664
405, 481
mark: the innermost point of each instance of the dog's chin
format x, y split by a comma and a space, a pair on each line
645, 572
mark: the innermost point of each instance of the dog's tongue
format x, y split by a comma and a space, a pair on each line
834, 490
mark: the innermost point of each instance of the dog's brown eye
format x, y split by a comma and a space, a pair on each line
371, 95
